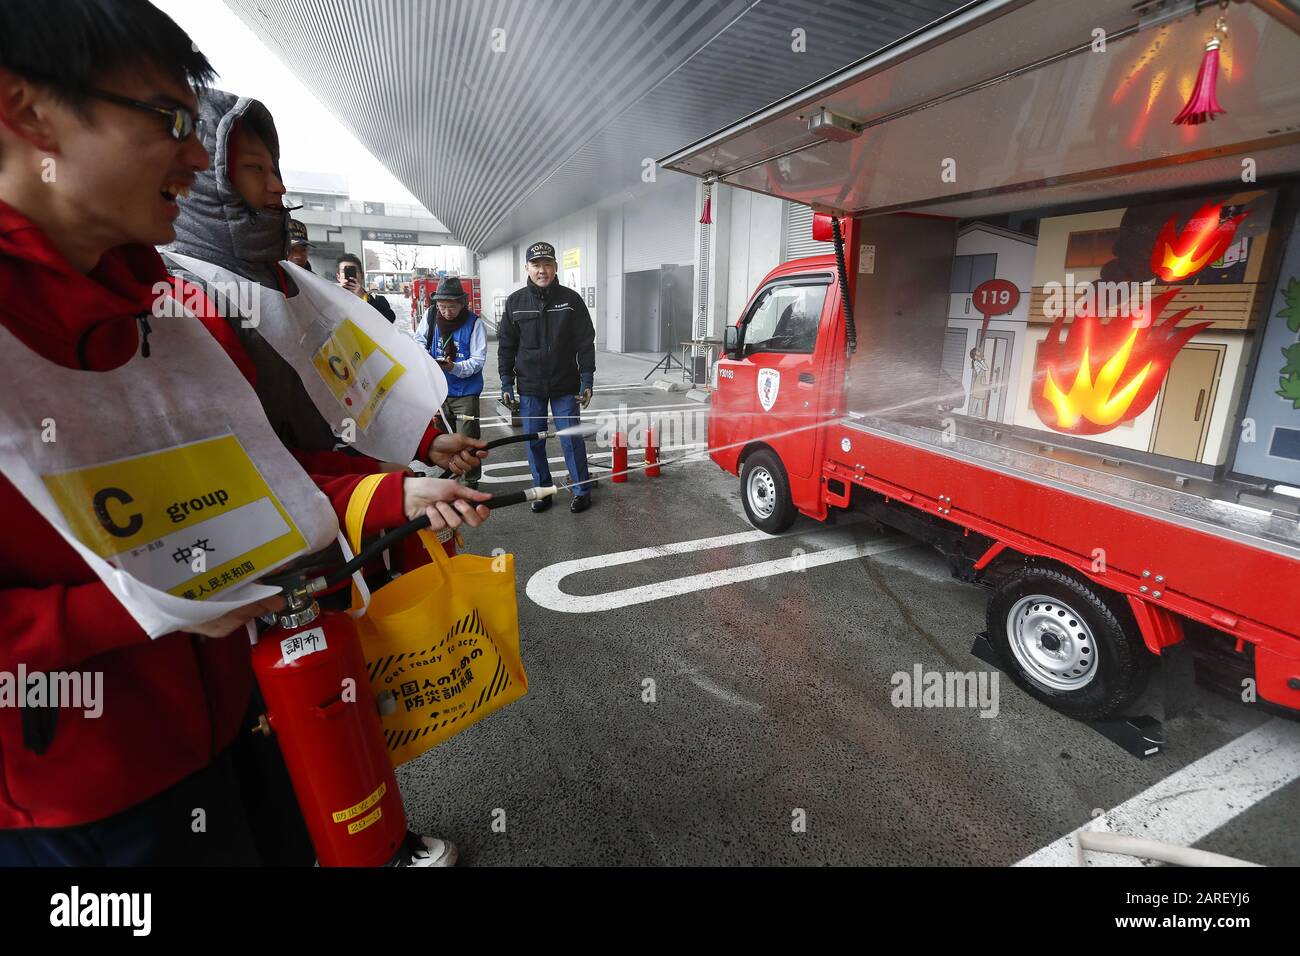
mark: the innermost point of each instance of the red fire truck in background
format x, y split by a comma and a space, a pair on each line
424, 286
1066, 455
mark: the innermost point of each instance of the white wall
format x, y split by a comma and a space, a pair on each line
575, 232
717, 314
601, 233
754, 246
746, 241
496, 272
609, 297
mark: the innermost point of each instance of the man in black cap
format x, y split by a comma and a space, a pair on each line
455, 337
547, 346
299, 247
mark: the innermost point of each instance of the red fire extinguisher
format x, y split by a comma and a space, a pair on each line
319, 705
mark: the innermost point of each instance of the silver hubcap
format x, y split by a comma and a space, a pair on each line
761, 491
1051, 642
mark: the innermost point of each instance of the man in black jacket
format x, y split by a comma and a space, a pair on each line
356, 284
546, 345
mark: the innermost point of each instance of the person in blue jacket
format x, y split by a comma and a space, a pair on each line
455, 337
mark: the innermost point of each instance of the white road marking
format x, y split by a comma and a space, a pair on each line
490, 469
544, 586
593, 413
1188, 805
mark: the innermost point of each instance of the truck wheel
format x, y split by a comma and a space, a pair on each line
765, 491
1060, 640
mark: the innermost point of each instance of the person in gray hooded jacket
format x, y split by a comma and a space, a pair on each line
234, 217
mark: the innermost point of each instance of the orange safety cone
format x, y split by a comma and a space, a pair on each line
651, 452
620, 457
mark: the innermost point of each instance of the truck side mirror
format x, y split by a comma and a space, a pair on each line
821, 228
731, 342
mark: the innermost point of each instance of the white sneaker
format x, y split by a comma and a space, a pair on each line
427, 851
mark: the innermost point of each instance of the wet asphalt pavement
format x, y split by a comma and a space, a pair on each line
771, 737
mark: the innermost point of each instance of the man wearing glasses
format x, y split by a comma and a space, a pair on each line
97, 143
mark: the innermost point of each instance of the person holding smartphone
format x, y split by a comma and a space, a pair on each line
351, 276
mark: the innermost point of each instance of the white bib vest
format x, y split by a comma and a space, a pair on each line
377, 389
163, 474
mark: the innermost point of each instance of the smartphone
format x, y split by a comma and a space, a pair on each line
349, 272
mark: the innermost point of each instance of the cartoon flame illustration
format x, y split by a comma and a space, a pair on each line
1177, 256
1135, 353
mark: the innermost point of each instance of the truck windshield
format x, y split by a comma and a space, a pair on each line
785, 317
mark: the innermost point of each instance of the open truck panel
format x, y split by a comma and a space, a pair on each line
1110, 518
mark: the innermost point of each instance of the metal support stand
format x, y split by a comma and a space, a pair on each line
666, 363
1142, 736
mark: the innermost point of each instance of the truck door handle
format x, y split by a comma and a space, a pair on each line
1200, 399
806, 377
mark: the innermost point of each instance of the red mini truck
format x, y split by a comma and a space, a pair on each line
1069, 356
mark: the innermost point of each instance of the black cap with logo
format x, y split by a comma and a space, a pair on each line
297, 234
540, 250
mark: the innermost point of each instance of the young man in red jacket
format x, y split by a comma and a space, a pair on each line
96, 140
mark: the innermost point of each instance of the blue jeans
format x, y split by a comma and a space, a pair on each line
532, 409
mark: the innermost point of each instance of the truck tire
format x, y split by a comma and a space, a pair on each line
1060, 640
765, 491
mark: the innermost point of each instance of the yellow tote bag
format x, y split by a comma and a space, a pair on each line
443, 639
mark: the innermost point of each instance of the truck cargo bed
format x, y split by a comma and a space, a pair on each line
1246, 513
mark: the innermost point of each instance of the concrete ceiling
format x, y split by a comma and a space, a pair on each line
504, 115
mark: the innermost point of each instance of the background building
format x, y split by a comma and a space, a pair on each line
516, 121
336, 223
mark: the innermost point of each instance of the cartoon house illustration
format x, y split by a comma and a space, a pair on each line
991, 376
1166, 381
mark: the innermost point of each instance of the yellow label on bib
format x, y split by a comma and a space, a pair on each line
191, 520
359, 373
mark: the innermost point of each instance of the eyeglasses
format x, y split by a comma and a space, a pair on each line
181, 124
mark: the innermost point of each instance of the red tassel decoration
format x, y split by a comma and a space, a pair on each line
706, 217
1203, 104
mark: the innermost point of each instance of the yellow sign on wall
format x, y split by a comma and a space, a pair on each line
572, 258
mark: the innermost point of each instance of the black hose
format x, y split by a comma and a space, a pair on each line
394, 535
498, 442
850, 329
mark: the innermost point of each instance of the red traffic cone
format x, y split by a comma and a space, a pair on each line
651, 452
620, 457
